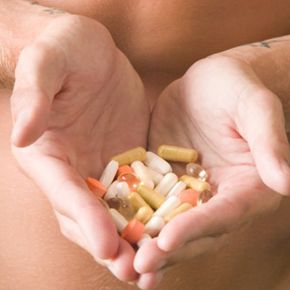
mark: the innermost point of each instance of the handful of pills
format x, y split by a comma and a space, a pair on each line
143, 194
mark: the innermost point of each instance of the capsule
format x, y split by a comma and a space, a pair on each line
130, 179
144, 214
153, 198
154, 226
133, 232
136, 200
112, 191
181, 209
123, 189
109, 173
177, 188
177, 154
195, 183
155, 176
190, 196
120, 222
167, 206
195, 170
167, 182
96, 187
145, 238
129, 156
142, 174
204, 196
156, 163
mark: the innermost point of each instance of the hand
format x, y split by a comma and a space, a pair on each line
222, 109
76, 102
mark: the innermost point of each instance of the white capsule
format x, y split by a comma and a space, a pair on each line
177, 188
141, 172
119, 220
167, 206
154, 226
167, 182
109, 173
112, 191
123, 189
156, 163
155, 176
144, 239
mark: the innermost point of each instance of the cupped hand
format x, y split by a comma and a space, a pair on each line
222, 109
76, 102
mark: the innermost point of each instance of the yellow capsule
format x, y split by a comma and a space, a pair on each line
195, 183
182, 208
179, 154
153, 198
127, 157
144, 214
137, 201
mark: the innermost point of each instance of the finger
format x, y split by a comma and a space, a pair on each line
150, 258
150, 280
70, 196
261, 122
228, 210
38, 78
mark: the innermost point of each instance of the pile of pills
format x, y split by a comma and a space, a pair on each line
143, 194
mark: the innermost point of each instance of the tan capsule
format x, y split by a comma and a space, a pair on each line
182, 208
195, 183
127, 157
144, 214
136, 200
179, 154
153, 198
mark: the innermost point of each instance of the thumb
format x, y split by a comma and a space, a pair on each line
261, 121
39, 76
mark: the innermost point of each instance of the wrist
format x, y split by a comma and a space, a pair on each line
21, 22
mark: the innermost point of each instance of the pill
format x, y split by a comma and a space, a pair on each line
153, 198
190, 196
195, 170
204, 196
129, 156
109, 173
112, 191
156, 163
144, 214
133, 232
195, 183
177, 188
180, 209
137, 201
155, 176
130, 179
145, 238
142, 174
124, 169
120, 222
167, 182
168, 205
96, 186
178, 154
154, 226
123, 189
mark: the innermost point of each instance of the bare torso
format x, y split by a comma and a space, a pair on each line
162, 39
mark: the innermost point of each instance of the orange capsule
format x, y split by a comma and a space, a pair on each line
125, 169
131, 180
133, 232
190, 196
96, 186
